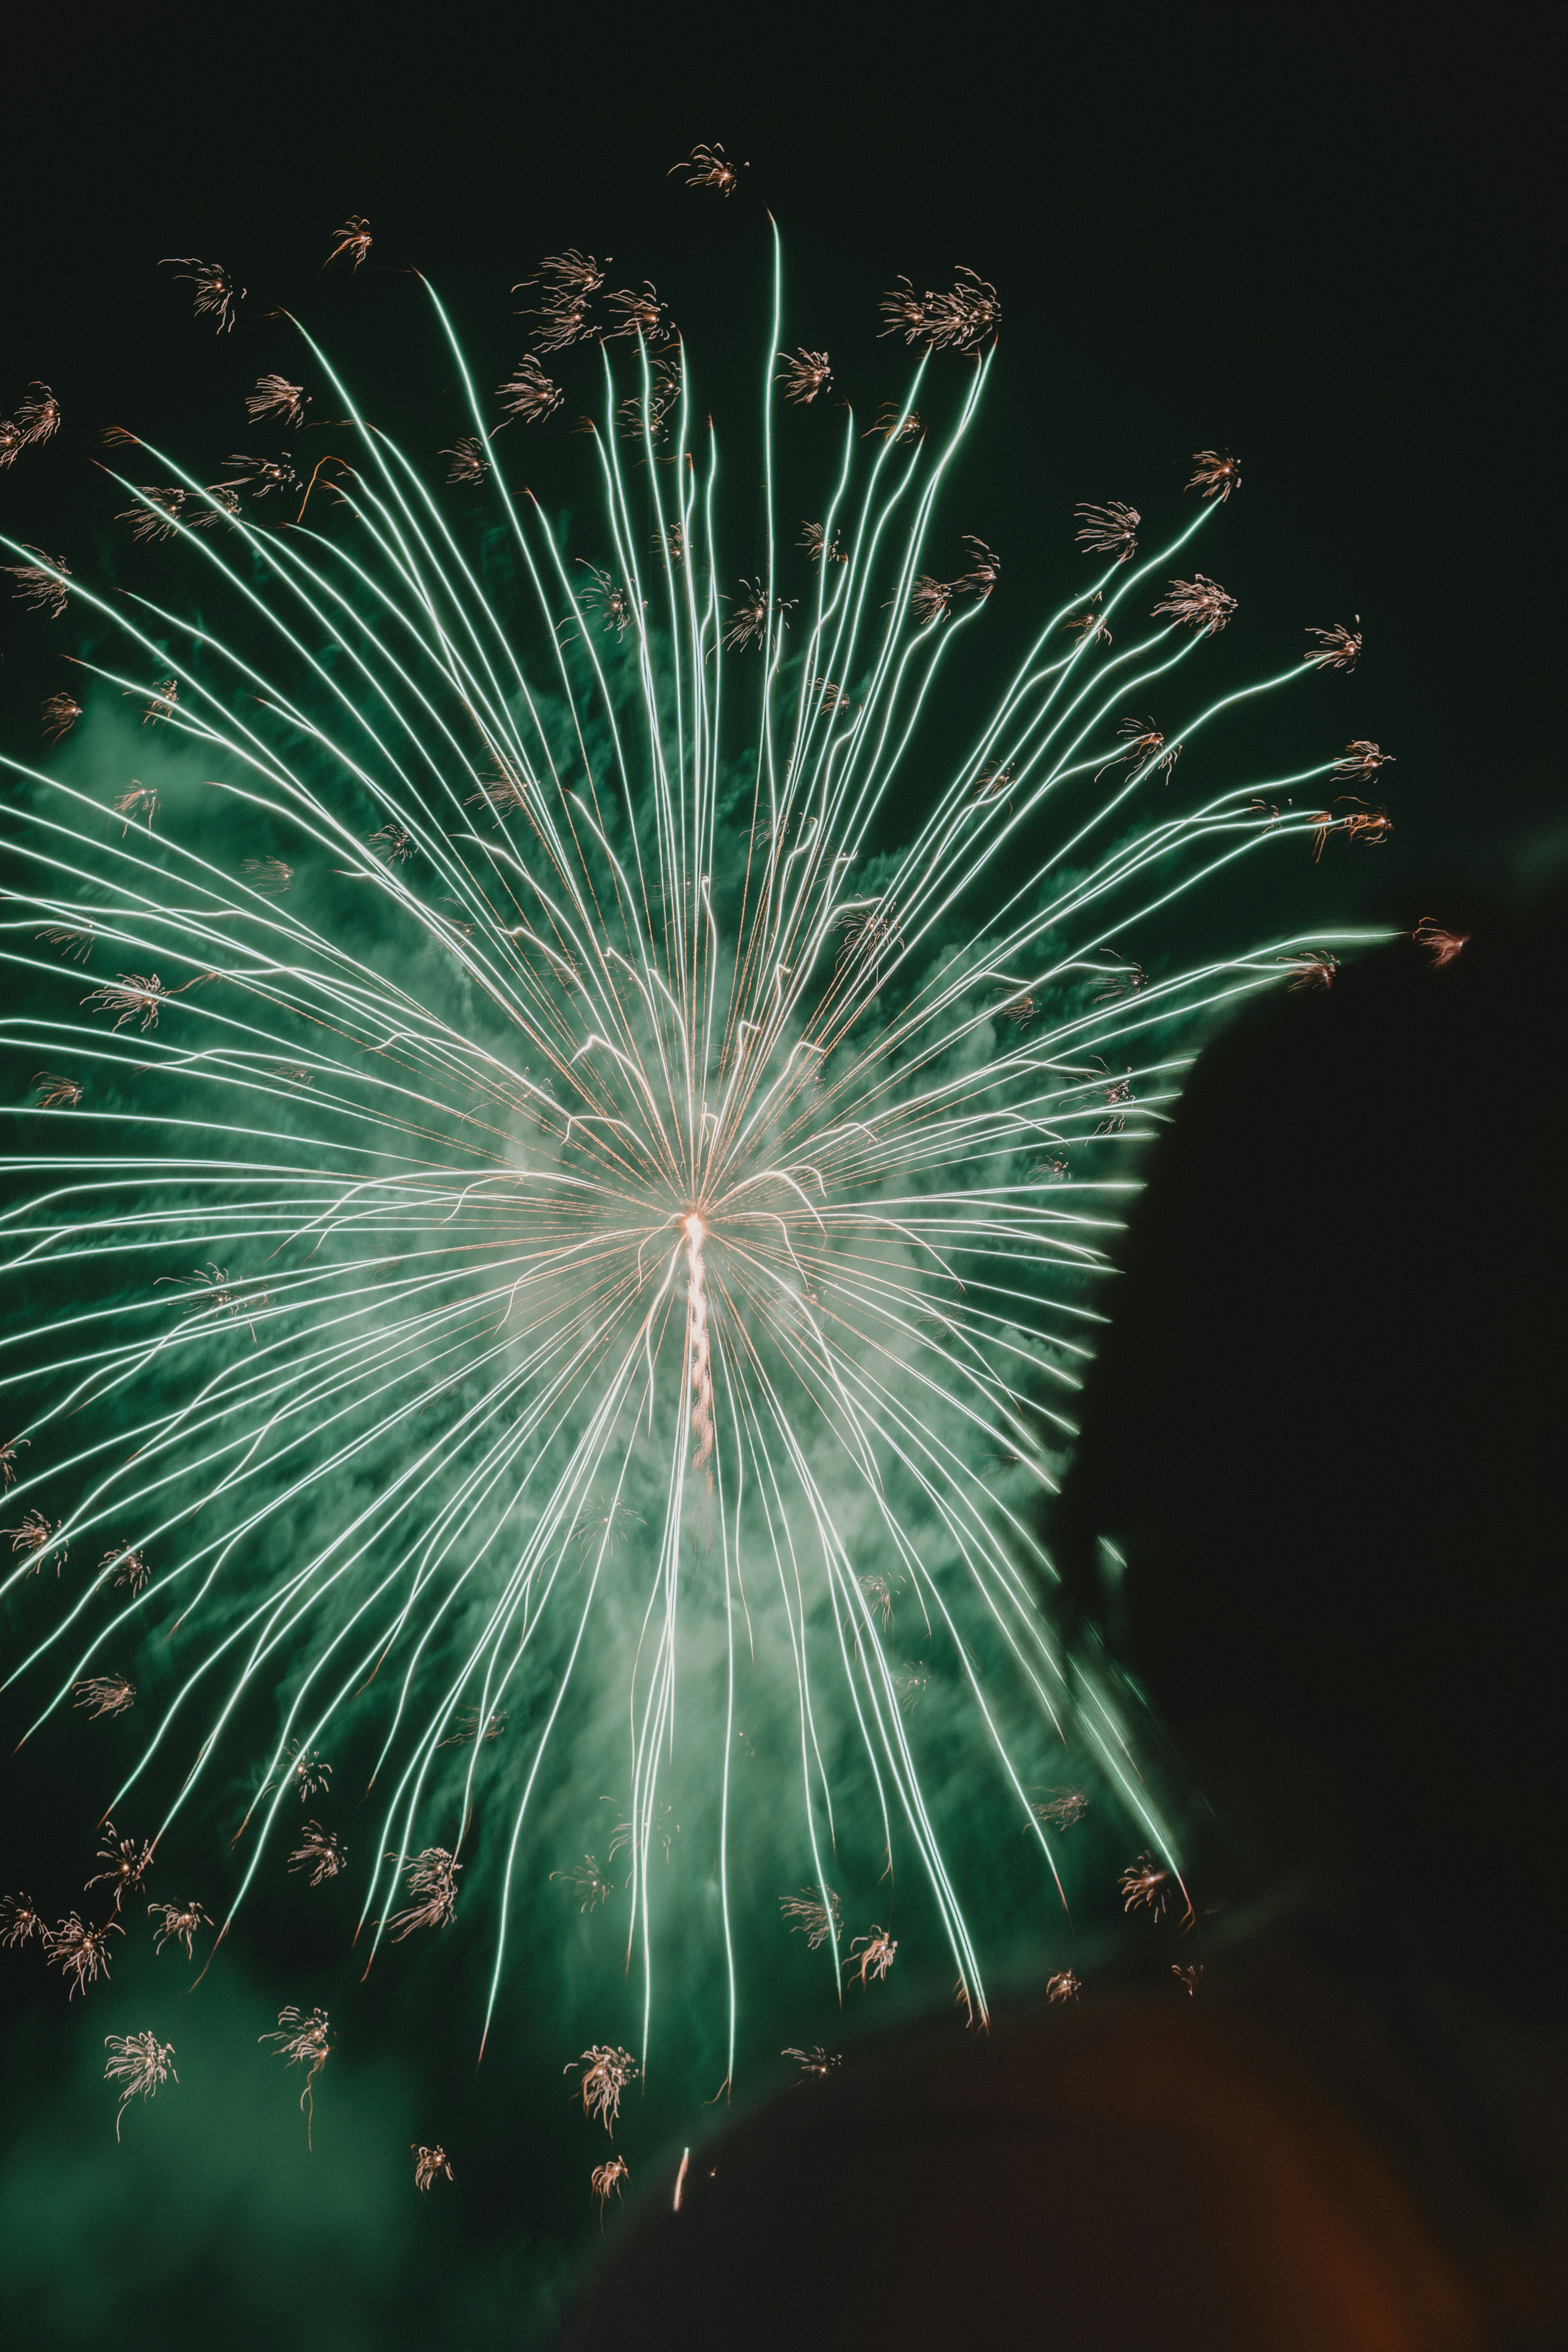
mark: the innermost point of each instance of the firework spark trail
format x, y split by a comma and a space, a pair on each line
718, 1185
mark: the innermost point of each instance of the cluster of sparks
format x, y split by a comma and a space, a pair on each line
704, 1143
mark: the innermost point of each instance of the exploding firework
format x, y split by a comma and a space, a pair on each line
661, 1194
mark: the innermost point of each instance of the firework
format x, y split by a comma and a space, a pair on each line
38, 1536
816, 2064
804, 376
431, 2165
45, 585
1214, 475
305, 2041
1063, 1807
181, 1923
274, 395
469, 462
1109, 530
1145, 1884
587, 1881
20, 1921
813, 1914
1063, 1985
354, 238
80, 1950
140, 2063
527, 392
607, 2071
654, 1167
709, 167
606, 2180
965, 320
61, 713
217, 297
1338, 648
872, 1956
106, 1695
38, 418
1198, 603
1311, 969
1441, 945
125, 1862
320, 1851
433, 1879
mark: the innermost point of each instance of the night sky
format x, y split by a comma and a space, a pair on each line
1330, 244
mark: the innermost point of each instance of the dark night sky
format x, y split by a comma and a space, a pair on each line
1329, 240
